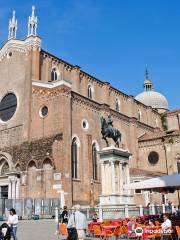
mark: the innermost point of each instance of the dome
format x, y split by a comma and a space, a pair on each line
153, 99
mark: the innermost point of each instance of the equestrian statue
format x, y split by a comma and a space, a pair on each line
108, 131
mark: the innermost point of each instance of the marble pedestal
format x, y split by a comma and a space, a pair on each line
114, 175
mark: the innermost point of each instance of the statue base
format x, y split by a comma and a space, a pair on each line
115, 200
114, 175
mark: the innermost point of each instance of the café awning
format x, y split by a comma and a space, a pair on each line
168, 181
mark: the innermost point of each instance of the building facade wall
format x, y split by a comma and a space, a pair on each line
41, 145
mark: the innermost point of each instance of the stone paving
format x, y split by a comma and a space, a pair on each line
39, 229
34, 230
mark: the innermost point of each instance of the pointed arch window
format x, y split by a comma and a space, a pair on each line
5, 168
54, 74
94, 161
178, 167
89, 91
117, 106
178, 163
74, 155
139, 115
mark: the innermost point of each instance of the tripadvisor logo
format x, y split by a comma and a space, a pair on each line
139, 231
158, 231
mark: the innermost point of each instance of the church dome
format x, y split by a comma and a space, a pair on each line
150, 97
153, 99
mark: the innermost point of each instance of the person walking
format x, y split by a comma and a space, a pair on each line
13, 222
78, 220
64, 215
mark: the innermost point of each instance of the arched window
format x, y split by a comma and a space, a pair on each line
18, 168
117, 105
5, 168
139, 115
31, 179
94, 161
54, 74
47, 164
178, 167
74, 156
178, 163
47, 177
31, 165
89, 91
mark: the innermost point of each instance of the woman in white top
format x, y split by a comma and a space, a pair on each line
13, 222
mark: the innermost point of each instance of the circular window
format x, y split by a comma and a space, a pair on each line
44, 111
85, 124
153, 157
9, 55
8, 106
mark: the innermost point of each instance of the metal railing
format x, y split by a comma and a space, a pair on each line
48, 208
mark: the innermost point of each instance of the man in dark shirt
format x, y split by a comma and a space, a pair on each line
64, 215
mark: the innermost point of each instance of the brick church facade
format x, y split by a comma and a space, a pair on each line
50, 129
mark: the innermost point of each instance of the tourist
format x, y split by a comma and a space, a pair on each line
64, 215
131, 224
78, 220
167, 222
13, 222
178, 210
95, 217
5, 232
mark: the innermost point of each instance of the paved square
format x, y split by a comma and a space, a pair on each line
40, 229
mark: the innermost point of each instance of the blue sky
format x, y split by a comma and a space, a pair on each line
110, 39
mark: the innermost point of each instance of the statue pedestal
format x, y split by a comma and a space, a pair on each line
114, 175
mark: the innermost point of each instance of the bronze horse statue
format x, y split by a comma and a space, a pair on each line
108, 131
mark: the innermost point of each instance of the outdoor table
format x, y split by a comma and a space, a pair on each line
110, 228
116, 223
91, 224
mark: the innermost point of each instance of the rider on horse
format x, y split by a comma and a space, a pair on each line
108, 131
110, 124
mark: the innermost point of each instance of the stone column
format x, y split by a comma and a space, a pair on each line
141, 210
113, 177
102, 178
127, 174
127, 177
110, 179
118, 178
62, 199
121, 178
105, 178
10, 189
126, 211
13, 188
17, 188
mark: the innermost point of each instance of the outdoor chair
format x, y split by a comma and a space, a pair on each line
63, 229
178, 231
97, 232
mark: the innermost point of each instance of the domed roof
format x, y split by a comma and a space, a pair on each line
153, 99
150, 97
